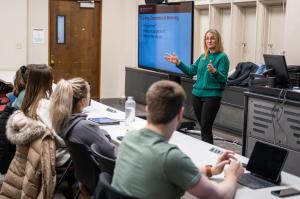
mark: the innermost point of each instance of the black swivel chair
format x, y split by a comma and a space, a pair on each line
105, 164
85, 169
65, 173
105, 180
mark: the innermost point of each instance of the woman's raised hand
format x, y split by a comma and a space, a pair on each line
172, 58
210, 67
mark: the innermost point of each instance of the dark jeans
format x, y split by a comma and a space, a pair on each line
206, 109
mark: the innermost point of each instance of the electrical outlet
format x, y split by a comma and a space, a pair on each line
19, 45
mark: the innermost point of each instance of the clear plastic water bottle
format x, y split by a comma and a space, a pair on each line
129, 111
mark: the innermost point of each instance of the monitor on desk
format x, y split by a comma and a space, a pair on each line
278, 64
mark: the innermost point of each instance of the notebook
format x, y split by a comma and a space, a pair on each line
265, 166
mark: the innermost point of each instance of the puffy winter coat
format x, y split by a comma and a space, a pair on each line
31, 173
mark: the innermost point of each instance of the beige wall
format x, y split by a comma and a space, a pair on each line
20, 17
37, 19
13, 34
119, 33
119, 44
292, 32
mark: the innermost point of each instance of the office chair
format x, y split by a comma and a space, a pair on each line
62, 173
105, 180
105, 164
85, 169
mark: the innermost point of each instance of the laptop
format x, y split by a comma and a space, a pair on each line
278, 64
265, 166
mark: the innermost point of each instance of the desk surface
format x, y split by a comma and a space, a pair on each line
194, 148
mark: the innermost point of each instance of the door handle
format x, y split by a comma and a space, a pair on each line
52, 62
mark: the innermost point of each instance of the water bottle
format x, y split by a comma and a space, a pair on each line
129, 111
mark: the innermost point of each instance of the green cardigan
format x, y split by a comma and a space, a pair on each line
208, 84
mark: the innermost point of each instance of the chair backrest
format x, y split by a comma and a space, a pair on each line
85, 169
7, 150
105, 180
105, 164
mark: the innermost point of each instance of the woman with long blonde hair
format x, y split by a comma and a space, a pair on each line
68, 100
211, 69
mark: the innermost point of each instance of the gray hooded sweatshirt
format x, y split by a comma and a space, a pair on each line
80, 130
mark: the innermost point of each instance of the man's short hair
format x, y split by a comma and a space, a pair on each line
164, 100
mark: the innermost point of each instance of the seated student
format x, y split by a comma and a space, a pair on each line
7, 150
67, 102
19, 86
31, 173
147, 166
36, 104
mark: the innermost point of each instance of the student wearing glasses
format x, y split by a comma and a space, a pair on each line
211, 69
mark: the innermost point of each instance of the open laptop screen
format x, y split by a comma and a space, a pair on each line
267, 161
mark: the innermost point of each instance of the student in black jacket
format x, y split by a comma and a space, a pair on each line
7, 150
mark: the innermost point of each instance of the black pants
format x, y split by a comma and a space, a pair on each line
206, 109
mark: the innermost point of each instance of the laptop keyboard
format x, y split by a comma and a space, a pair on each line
254, 182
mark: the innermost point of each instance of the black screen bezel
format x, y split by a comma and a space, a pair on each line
263, 148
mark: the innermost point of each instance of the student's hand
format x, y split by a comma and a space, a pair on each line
172, 58
223, 159
210, 67
234, 170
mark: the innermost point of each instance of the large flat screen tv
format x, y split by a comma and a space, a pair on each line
165, 29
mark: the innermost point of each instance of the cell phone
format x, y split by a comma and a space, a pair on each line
120, 138
285, 192
104, 121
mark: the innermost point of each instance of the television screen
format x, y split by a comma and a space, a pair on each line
165, 29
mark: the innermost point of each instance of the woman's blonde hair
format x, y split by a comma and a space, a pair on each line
219, 44
64, 100
38, 86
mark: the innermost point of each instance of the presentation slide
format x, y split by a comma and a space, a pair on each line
164, 32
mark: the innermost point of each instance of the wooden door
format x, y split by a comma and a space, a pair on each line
75, 42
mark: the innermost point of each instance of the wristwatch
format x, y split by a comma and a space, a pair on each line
208, 170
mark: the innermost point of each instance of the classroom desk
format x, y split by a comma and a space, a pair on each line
197, 150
